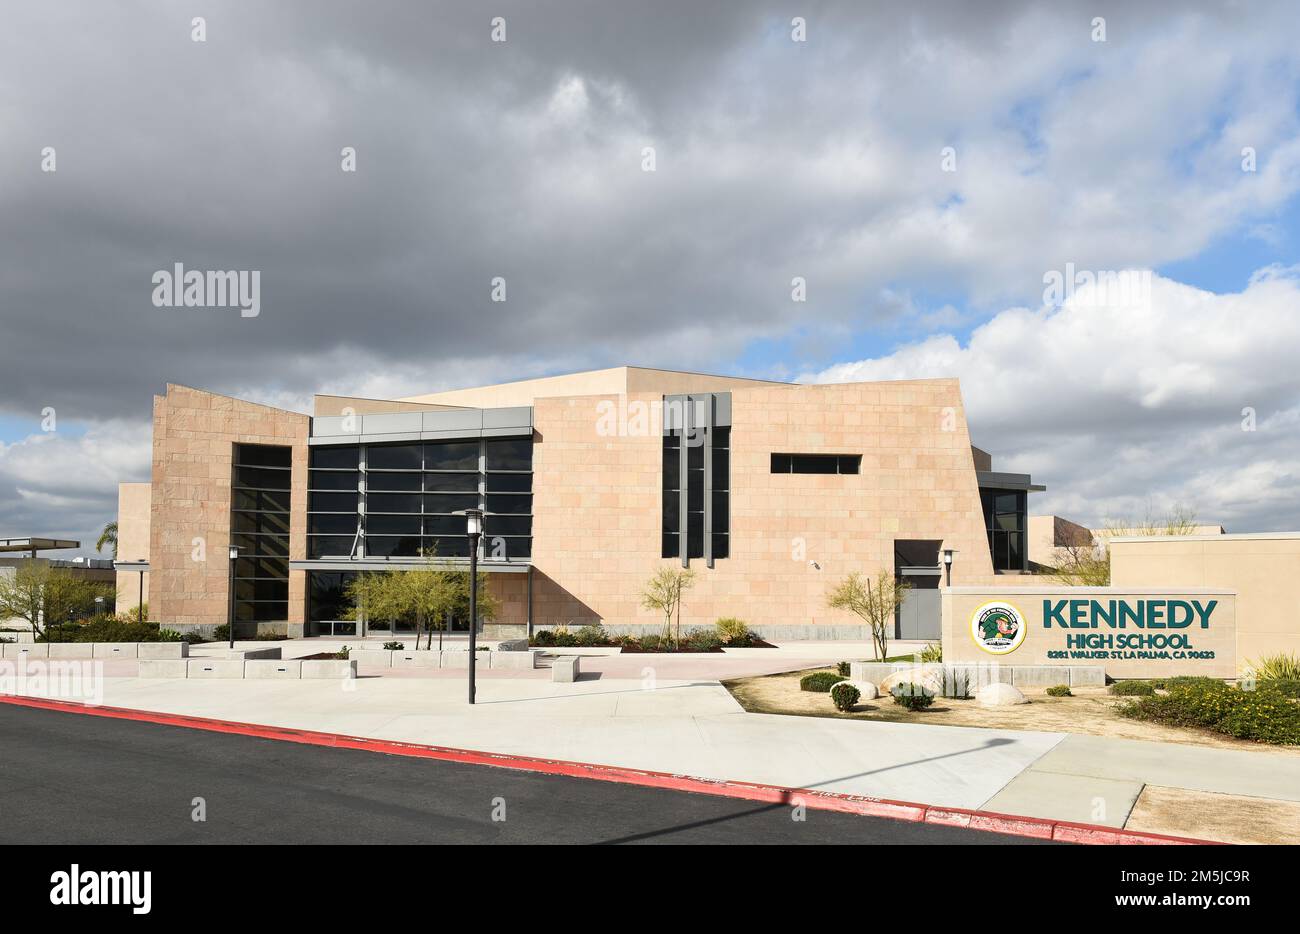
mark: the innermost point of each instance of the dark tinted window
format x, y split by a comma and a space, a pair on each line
393, 457
345, 458
509, 454
451, 455
817, 463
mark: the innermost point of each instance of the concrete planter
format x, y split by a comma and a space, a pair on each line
329, 668
164, 650
263, 668
373, 658
214, 668
163, 668
422, 659
516, 660
460, 659
115, 650
71, 649
17, 650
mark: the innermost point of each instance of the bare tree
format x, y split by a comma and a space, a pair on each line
875, 602
663, 592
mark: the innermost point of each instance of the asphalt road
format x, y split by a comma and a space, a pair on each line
75, 779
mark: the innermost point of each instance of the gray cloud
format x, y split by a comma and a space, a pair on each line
522, 160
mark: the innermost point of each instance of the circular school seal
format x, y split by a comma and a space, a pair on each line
997, 628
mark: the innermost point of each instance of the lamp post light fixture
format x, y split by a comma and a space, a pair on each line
947, 565
99, 606
234, 556
141, 592
473, 529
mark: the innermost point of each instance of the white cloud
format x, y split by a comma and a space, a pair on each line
1116, 405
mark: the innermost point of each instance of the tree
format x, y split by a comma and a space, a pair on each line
432, 590
663, 592
875, 602
108, 537
379, 594
1086, 563
43, 595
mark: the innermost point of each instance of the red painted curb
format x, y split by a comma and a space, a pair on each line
1016, 825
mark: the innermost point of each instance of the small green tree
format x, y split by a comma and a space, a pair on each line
875, 602
380, 595
663, 592
43, 595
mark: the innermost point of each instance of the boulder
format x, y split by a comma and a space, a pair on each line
929, 677
867, 689
513, 645
1000, 695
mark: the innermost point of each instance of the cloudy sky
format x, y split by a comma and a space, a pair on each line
923, 167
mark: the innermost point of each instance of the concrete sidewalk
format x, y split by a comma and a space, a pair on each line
694, 727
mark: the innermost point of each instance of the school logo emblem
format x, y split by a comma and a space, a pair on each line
997, 628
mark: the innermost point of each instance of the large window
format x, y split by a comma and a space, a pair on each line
1004, 519
259, 528
404, 500
696, 472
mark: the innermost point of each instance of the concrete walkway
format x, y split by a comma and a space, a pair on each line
694, 727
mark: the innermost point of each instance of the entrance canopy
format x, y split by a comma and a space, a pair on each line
33, 545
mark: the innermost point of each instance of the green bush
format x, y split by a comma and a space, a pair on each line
593, 634
543, 637
733, 631
109, 629
395, 646
1059, 690
1287, 687
844, 696
1132, 689
651, 642
1280, 667
912, 696
844, 669
703, 640
819, 681
933, 652
1264, 715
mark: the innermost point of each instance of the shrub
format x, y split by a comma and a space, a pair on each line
703, 640
933, 652
1059, 690
1132, 689
1280, 667
844, 695
543, 637
912, 696
1264, 715
844, 669
395, 646
1287, 687
108, 629
819, 681
652, 642
593, 634
169, 635
565, 639
733, 631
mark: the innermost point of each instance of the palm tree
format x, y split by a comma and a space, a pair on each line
108, 537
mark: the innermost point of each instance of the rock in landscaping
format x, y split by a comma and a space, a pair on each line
929, 677
866, 689
1000, 695
513, 645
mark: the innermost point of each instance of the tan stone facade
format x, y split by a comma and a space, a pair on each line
1261, 569
133, 521
598, 502
189, 535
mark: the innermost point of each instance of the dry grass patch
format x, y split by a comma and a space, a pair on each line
1090, 711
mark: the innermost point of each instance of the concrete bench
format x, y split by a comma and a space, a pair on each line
517, 660
259, 669
565, 669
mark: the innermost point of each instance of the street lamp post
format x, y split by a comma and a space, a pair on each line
234, 556
99, 607
141, 600
947, 565
473, 528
